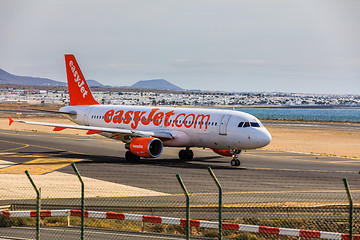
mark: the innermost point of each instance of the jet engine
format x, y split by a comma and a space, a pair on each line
146, 147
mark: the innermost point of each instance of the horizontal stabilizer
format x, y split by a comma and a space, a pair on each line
10, 121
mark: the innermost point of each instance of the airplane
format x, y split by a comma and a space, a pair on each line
146, 130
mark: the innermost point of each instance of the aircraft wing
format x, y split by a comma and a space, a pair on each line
51, 111
94, 129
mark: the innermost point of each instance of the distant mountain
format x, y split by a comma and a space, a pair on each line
93, 83
7, 78
159, 84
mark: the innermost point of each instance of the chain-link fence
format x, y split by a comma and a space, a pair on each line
308, 206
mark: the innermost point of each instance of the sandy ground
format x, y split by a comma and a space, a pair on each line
330, 141
17, 186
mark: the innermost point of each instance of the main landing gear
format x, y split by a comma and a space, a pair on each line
129, 156
235, 161
186, 155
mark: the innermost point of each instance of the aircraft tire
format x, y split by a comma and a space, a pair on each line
186, 155
129, 156
190, 155
182, 155
235, 162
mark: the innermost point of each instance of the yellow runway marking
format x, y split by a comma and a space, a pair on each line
72, 137
312, 158
298, 170
12, 149
17, 148
345, 162
39, 166
34, 155
38, 146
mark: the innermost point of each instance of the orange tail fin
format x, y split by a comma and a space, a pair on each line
79, 91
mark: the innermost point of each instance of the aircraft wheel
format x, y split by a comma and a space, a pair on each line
182, 155
234, 162
238, 162
190, 155
129, 156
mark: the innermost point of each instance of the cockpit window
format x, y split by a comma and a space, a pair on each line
246, 124
241, 124
255, 124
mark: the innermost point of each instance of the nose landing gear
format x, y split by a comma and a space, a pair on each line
235, 161
186, 155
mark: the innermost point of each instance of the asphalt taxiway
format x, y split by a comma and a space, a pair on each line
103, 159
264, 179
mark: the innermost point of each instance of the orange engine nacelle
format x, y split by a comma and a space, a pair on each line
147, 147
223, 152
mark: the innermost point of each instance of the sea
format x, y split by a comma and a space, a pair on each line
306, 114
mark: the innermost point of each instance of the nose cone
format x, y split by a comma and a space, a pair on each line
265, 138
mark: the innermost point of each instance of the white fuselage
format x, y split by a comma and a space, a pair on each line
190, 127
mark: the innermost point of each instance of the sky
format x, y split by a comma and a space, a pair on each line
302, 46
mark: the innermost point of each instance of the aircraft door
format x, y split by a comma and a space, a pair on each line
223, 124
87, 116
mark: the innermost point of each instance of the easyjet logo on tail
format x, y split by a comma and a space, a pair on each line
79, 91
78, 80
156, 117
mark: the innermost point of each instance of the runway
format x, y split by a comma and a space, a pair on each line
267, 185
103, 159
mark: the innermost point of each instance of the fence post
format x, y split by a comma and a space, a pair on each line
187, 206
351, 209
82, 201
220, 201
38, 203
68, 224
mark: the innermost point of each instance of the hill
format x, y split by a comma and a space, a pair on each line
159, 84
8, 78
93, 83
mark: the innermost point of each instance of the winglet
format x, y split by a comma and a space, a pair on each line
10, 121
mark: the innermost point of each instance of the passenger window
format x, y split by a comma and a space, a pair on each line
241, 124
246, 124
254, 124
